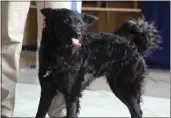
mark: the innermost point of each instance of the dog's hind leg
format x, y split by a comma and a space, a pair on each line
128, 94
44, 103
78, 107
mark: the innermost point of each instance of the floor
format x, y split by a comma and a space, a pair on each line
98, 103
98, 100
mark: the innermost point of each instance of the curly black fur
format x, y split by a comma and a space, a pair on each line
101, 54
144, 35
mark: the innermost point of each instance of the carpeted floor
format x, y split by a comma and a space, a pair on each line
98, 103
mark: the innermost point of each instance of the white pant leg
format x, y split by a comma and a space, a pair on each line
14, 16
57, 108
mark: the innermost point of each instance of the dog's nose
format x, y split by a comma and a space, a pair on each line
79, 34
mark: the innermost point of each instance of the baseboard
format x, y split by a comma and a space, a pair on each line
29, 48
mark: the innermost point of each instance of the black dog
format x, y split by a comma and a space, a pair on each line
70, 59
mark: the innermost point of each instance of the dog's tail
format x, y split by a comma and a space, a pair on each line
143, 34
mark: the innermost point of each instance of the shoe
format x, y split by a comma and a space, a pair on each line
2, 116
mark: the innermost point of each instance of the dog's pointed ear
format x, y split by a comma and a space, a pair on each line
89, 19
45, 11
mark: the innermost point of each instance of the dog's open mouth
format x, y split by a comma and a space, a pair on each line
76, 42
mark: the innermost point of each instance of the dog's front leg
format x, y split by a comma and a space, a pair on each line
71, 107
72, 100
44, 103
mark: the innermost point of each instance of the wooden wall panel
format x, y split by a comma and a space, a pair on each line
32, 27
120, 4
89, 4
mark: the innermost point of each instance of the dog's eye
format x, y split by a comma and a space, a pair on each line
67, 20
79, 22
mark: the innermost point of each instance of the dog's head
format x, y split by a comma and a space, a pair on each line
68, 26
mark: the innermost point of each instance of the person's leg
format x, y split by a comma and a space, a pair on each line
14, 16
57, 108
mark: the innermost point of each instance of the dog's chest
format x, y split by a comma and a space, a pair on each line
68, 65
68, 62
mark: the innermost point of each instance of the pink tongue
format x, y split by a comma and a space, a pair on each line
76, 43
